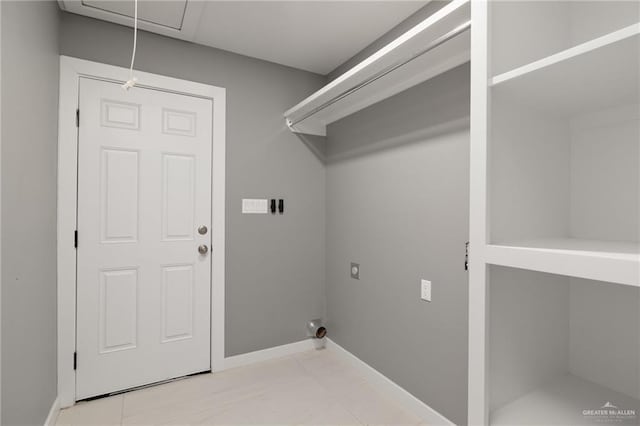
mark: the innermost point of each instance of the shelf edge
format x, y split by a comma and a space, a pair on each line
622, 269
591, 45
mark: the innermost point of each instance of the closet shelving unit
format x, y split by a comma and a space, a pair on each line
555, 212
594, 75
437, 44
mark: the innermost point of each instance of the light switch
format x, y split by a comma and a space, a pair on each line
355, 271
254, 206
425, 290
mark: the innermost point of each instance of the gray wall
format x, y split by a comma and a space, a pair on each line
29, 140
275, 265
397, 203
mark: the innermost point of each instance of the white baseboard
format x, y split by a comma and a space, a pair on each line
267, 354
53, 413
387, 387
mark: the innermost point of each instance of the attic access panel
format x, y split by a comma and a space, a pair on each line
172, 18
166, 13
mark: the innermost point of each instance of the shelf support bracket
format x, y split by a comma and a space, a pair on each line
308, 127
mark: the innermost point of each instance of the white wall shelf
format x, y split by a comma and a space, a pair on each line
617, 262
338, 99
563, 402
581, 49
603, 73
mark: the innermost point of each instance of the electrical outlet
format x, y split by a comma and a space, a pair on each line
425, 290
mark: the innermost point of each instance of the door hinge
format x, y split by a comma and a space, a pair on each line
78, 117
75, 238
75, 360
466, 256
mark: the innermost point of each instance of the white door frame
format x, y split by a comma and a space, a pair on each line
0, 216
71, 70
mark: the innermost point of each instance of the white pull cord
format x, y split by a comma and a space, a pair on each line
133, 80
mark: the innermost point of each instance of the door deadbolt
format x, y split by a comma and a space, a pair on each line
203, 249
202, 230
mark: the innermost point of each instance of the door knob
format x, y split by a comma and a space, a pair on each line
203, 249
202, 230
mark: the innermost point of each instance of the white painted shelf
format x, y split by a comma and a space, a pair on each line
595, 75
331, 103
617, 262
563, 402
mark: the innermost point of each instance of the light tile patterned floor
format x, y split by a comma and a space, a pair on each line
313, 387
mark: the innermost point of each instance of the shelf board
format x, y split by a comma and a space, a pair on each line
617, 262
446, 56
595, 75
563, 402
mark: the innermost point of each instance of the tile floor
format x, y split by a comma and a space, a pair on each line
313, 387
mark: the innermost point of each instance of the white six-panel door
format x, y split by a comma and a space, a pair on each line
144, 192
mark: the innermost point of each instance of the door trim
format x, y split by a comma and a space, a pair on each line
71, 70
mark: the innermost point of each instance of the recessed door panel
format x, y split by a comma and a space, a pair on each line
118, 310
120, 114
179, 122
178, 196
119, 195
177, 302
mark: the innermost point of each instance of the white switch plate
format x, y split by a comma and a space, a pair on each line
254, 206
425, 290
